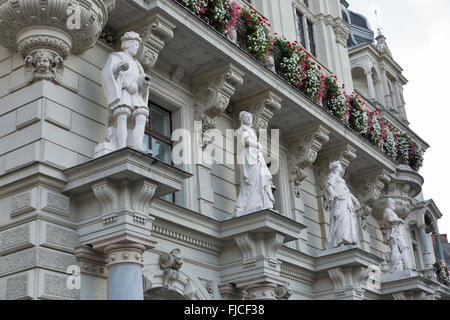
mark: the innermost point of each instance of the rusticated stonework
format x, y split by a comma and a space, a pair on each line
55, 285
55, 203
17, 287
61, 237
15, 238
22, 203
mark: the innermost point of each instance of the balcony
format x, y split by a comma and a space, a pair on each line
197, 47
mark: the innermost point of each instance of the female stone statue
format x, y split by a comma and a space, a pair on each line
342, 206
126, 88
255, 193
398, 257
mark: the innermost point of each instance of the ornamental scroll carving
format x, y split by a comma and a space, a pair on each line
303, 151
171, 263
47, 32
212, 93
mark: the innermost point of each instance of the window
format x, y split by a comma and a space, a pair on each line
301, 30
415, 240
306, 2
306, 33
158, 132
158, 138
312, 41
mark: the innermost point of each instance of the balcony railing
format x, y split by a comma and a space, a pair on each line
416, 147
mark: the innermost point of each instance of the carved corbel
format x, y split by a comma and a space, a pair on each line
304, 147
260, 246
368, 187
261, 105
212, 93
348, 281
155, 35
342, 31
143, 196
171, 263
284, 292
108, 196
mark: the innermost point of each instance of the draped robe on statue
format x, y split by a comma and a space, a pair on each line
127, 88
255, 193
342, 212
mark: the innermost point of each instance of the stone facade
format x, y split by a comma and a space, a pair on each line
73, 225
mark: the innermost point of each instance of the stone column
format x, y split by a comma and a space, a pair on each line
125, 262
387, 94
370, 84
426, 251
260, 289
437, 241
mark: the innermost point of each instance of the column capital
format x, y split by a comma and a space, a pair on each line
91, 262
125, 253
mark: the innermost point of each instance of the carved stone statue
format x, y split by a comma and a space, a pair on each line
397, 258
342, 205
256, 192
126, 88
44, 65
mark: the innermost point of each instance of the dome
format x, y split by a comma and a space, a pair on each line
360, 30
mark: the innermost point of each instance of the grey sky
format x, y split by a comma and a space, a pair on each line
418, 34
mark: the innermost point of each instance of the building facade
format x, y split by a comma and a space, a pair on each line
79, 220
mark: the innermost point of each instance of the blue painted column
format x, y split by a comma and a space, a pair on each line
125, 262
440, 252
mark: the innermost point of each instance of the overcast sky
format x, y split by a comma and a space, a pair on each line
418, 35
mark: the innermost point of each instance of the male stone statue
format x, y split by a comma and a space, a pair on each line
256, 192
342, 205
126, 88
398, 257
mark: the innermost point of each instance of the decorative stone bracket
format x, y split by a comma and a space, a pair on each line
368, 187
284, 292
260, 247
303, 150
261, 105
348, 281
212, 93
47, 32
155, 35
171, 263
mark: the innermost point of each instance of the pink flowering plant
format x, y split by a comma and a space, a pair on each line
377, 133
336, 100
415, 156
389, 146
403, 148
223, 14
442, 272
198, 7
359, 119
259, 40
291, 63
314, 83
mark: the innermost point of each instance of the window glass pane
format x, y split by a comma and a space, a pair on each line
161, 151
301, 30
312, 41
160, 121
167, 197
146, 143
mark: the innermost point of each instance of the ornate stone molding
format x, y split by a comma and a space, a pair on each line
46, 32
125, 253
348, 281
155, 35
91, 262
260, 246
213, 90
142, 196
108, 196
284, 292
342, 31
304, 147
263, 288
171, 263
229, 291
261, 105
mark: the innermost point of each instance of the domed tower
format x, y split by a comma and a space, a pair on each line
375, 74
